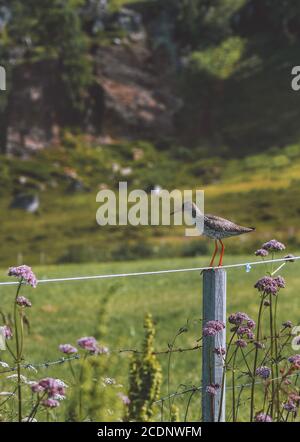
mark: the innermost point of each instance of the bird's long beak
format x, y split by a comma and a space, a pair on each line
175, 211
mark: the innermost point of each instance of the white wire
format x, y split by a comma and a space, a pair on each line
156, 272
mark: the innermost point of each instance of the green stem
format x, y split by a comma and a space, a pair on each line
255, 359
223, 376
72, 370
19, 345
233, 386
272, 355
276, 357
80, 386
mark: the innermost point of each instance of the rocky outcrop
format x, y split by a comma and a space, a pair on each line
132, 97
137, 103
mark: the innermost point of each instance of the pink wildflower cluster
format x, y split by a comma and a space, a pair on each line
295, 361
212, 328
243, 326
24, 273
212, 389
6, 331
90, 344
273, 246
263, 372
263, 417
23, 302
261, 252
241, 343
290, 406
54, 389
241, 318
269, 285
68, 349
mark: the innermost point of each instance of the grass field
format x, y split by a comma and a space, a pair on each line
63, 312
260, 190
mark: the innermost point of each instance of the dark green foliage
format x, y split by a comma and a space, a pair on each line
51, 30
144, 378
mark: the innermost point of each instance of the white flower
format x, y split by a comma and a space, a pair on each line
59, 397
6, 393
61, 383
109, 381
4, 364
15, 377
29, 419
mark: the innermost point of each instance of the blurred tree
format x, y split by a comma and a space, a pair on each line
51, 30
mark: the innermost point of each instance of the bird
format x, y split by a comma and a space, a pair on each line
214, 227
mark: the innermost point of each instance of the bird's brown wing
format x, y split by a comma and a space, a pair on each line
222, 224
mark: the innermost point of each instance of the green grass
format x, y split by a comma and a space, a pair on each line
260, 190
63, 312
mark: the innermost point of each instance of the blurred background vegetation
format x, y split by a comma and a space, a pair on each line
159, 93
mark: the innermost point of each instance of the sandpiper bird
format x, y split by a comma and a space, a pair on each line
214, 227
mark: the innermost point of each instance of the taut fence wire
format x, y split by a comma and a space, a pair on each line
195, 389
247, 265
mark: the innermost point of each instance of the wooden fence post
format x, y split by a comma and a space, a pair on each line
214, 308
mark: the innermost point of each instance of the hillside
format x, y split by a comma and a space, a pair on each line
212, 76
261, 190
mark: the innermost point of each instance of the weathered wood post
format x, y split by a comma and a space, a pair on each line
214, 308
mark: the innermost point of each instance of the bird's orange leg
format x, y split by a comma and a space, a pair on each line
214, 255
222, 253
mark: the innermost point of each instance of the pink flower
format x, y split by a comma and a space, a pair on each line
50, 403
290, 406
295, 360
269, 285
263, 372
280, 281
238, 318
212, 328
6, 331
263, 417
24, 273
241, 343
125, 399
36, 388
212, 389
261, 252
273, 246
23, 302
251, 324
52, 386
90, 344
67, 349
